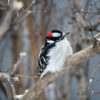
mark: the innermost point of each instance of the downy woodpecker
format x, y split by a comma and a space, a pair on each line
53, 53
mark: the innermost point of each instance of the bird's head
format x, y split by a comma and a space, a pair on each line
55, 35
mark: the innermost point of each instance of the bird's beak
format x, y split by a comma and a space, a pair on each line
65, 34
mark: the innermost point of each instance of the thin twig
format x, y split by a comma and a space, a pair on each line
24, 76
22, 55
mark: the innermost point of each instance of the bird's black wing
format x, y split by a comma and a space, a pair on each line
43, 58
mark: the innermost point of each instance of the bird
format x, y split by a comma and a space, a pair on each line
53, 53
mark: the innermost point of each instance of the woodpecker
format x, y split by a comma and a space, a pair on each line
53, 53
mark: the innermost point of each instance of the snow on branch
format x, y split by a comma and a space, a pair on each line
73, 60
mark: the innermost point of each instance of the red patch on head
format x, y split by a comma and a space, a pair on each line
49, 34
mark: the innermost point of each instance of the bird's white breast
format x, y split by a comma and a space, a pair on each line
58, 55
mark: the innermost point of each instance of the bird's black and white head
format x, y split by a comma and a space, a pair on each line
54, 36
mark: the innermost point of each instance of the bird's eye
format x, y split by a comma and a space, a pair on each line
49, 34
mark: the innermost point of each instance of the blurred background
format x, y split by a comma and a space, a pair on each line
24, 25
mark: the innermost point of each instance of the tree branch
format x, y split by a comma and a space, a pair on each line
86, 24
73, 60
16, 5
4, 76
16, 66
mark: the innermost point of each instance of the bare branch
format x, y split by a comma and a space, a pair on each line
82, 21
9, 76
22, 55
4, 76
7, 20
24, 14
87, 25
73, 60
24, 76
